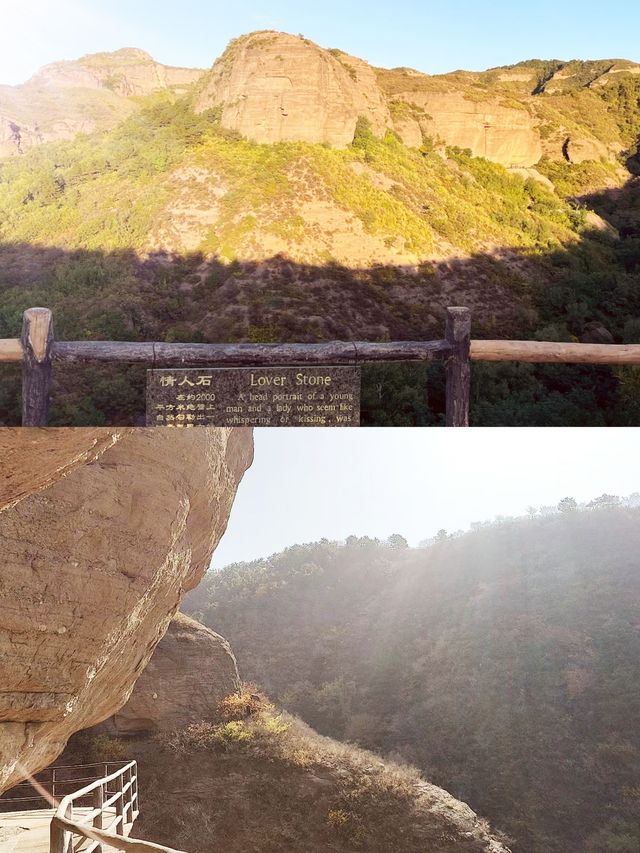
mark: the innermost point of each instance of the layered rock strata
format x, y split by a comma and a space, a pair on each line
275, 87
101, 534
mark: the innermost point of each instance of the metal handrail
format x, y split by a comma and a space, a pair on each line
55, 782
126, 845
70, 833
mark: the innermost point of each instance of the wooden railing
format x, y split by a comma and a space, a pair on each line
38, 351
114, 799
117, 791
91, 818
55, 782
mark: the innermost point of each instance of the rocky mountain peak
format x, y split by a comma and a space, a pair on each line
277, 87
124, 53
80, 96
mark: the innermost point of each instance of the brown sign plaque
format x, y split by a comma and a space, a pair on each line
261, 396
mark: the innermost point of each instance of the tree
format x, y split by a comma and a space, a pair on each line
441, 535
604, 502
567, 505
397, 541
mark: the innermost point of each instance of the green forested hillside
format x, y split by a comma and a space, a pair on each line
261, 781
169, 226
504, 662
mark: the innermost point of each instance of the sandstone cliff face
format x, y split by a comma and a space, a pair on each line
191, 671
81, 96
98, 549
490, 129
126, 72
275, 87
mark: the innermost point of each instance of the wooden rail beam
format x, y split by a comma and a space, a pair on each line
37, 350
545, 352
10, 349
160, 354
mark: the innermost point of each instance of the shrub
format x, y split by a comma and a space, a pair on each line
245, 703
105, 748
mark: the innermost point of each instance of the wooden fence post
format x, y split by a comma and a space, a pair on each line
120, 812
69, 835
57, 839
98, 803
458, 366
37, 346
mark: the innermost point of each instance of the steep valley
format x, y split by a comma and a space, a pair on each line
221, 767
502, 661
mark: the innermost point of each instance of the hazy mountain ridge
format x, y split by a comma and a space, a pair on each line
503, 662
82, 96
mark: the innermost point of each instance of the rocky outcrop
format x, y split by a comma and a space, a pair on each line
126, 72
582, 150
490, 129
191, 671
288, 789
275, 87
91, 93
102, 532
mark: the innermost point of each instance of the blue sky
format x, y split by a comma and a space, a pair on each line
431, 36
306, 484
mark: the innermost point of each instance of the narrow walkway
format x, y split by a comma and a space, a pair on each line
28, 831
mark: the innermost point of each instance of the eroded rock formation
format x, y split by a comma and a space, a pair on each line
191, 671
102, 533
81, 96
487, 127
275, 87
288, 770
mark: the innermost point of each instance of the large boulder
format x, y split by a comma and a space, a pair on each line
191, 671
102, 532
